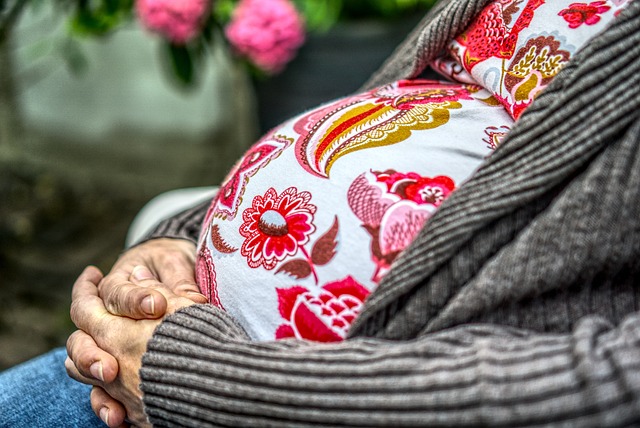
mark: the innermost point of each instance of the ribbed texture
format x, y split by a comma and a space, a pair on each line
471, 376
185, 225
587, 107
445, 20
544, 234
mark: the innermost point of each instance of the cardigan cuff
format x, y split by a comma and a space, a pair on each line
201, 369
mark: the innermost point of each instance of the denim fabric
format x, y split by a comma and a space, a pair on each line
38, 393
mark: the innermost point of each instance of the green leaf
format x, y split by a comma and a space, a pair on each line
319, 15
99, 17
223, 9
182, 63
74, 58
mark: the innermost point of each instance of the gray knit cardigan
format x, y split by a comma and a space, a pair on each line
515, 306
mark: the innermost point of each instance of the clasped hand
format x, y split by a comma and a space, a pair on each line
116, 316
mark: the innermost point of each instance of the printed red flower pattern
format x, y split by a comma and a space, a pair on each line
582, 13
323, 317
411, 186
229, 197
393, 207
275, 226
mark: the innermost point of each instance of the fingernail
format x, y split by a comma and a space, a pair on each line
195, 295
141, 273
148, 305
104, 415
96, 370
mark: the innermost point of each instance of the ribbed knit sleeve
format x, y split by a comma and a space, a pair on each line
184, 225
200, 370
445, 20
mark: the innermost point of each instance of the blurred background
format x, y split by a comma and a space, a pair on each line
103, 106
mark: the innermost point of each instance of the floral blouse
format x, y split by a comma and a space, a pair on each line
312, 217
515, 47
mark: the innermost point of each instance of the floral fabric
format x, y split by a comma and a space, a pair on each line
515, 47
312, 217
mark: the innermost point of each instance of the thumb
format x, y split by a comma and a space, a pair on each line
140, 275
143, 277
132, 295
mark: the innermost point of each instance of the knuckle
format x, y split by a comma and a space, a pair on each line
97, 396
184, 286
72, 370
68, 363
71, 343
75, 312
83, 361
113, 298
112, 306
81, 354
97, 400
108, 289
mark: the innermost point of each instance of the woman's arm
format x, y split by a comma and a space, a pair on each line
184, 225
200, 368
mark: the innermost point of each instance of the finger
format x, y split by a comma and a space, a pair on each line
87, 309
89, 360
175, 267
142, 276
91, 275
74, 374
196, 297
110, 411
179, 278
124, 298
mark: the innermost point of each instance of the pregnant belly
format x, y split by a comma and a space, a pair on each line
311, 218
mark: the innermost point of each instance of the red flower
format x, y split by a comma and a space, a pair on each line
275, 226
412, 186
428, 190
581, 13
325, 317
392, 177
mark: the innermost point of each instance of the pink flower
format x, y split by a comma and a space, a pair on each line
323, 317
393, 207
275, 226
412, 186
581, 13
177, 20
267, 32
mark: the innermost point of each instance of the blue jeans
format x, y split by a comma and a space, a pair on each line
39, 393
